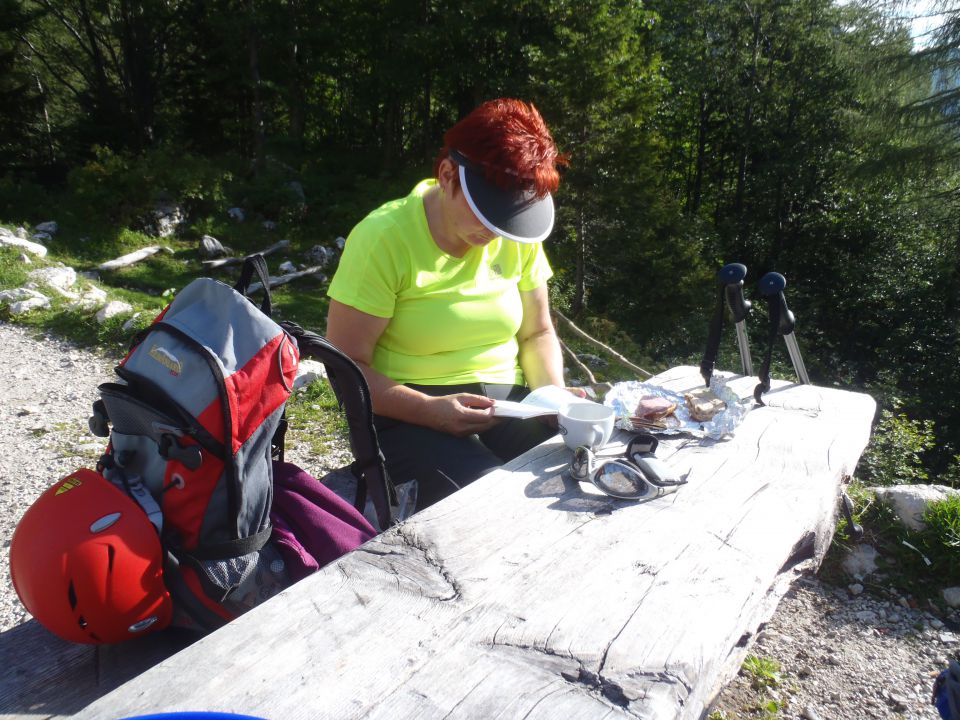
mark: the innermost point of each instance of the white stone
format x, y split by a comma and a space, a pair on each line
910, 501
22, 233
18, 294
861, 561
28, 245
62, 277
236, 214
210, 247
50, 227
132, 321
4, 232
855, 589
951, 596
112, 309
90, 298
23, 306
340, 242
287, 267
41, 237
25, 259
309, 371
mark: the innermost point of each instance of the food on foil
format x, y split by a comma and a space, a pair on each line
654, 413
652, 407
703, 404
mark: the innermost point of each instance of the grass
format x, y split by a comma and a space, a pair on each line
764, 672
918, 564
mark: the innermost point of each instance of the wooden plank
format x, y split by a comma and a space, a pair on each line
526, 594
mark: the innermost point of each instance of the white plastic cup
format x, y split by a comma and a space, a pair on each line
586, 423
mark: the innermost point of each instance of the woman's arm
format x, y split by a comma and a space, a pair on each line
540, 357
356, 333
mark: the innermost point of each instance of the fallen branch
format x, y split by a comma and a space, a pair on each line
580, 333
211, 264
134, 257
284, 279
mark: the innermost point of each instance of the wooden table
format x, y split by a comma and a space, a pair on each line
527, 595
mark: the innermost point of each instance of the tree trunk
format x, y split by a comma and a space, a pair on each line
256, 109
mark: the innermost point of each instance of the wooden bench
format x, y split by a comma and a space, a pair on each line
529, 595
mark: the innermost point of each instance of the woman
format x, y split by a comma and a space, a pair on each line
441, 298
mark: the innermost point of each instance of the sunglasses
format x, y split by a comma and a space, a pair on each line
640, 475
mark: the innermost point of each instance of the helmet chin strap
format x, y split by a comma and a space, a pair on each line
135, 488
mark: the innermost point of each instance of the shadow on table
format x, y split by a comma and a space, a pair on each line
572, 496
44, 676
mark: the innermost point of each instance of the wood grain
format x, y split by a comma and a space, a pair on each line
527, 594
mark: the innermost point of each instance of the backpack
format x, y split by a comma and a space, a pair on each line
196, 431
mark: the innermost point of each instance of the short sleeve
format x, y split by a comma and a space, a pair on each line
370, 272
536, 268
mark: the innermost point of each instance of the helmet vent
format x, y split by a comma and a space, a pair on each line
104, 522
72, 596
143, 624
111, 556
82, 622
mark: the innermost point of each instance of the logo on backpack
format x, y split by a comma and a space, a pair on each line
167, 359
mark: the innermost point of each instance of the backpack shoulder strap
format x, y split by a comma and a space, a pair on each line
353, 394
256, 265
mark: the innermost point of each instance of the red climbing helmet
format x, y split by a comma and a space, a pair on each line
87, 563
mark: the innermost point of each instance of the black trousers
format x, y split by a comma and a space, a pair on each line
441, 463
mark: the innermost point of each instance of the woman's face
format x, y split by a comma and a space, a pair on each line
463, 226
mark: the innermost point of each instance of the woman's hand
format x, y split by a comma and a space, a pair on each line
461, 414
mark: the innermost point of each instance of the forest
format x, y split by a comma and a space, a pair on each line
807, 137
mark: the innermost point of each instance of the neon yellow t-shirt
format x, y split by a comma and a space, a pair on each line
452, 320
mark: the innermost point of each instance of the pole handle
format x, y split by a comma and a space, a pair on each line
731, 277
772, 286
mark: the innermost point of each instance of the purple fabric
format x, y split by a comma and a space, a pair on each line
312, 525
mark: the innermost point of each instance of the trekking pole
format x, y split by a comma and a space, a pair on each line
731, 291
732, 276
782, 322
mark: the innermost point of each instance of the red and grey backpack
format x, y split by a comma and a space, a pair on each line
196, 430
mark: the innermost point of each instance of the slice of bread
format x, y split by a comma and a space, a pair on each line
703, 404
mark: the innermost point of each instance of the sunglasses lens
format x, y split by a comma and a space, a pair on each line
580, 465
620, 480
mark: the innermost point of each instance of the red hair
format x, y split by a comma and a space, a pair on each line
510, 142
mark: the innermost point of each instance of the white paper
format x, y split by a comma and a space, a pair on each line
546, 400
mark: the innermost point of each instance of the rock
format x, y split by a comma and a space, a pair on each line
866, 616
112, 309
18, 294
340, 242
91, 298
41, 237
320, 255
951, 596
21, 233
287, 267
131, 321
861, 561
167, 219
910, 501
23, 306
28, 410
309, 371
855, 589
28, 245
237, 214
50, 227
210, 247
269, 225
62, 277
810, 713
25, 259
